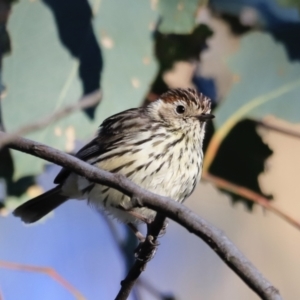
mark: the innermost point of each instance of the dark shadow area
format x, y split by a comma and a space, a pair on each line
170, 48
9, 187
74, 24
241, 159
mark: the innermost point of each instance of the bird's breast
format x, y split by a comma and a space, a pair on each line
164, 163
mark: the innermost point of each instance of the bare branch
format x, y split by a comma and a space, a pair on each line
44, 270
252, 196
132, 277
146, 251
278, 129
212, 236
87, 101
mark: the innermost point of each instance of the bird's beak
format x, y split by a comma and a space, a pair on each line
205, 117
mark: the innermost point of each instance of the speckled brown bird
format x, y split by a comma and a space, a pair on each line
158, 147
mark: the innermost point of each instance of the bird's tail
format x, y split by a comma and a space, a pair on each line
36, 208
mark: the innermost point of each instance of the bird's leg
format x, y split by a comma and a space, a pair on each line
135, 214
146, 254
140, 217
136, 232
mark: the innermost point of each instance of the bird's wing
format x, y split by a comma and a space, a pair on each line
88, 151
113, 130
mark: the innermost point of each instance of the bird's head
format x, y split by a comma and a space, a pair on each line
181, 108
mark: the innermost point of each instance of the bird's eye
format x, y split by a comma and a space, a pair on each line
180, 109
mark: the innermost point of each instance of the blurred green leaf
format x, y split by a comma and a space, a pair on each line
266, 83
171, 48
291, 3
41, 76
178, 16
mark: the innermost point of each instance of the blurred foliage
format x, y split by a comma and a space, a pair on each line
128, 60
53, 82
241, 158
170, 48
291, 3
178, 16
5, 44
130, 64
41, 76
233, 21
266, 83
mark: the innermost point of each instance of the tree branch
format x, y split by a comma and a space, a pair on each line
146, 251
44, 270
277, 128
212, 236
123, 248
88, 101
252, 196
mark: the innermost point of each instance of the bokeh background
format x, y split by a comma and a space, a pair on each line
243, 54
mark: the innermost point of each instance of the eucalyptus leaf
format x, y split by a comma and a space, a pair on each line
290, 3
42, 76
267, 83
178, 16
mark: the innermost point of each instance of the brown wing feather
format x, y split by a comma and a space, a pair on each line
90, 150
111, 131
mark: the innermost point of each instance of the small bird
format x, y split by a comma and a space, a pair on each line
158, 147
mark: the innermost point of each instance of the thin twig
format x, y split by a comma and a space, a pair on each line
252, 196
122, 247
278, 129
145, 253
44, 270
212, 236
87, 101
